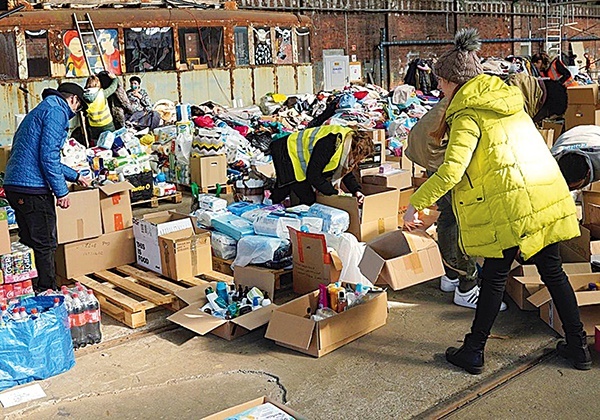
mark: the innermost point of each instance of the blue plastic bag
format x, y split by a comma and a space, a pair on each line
36, 349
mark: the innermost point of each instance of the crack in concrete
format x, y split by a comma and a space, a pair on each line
173, 381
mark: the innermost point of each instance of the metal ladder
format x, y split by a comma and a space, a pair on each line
554, 23
89, 39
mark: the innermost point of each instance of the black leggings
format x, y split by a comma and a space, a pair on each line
493, 281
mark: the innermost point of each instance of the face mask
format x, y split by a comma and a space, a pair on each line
135, 87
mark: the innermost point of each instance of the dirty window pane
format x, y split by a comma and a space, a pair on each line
36, 44
8, 52
283, 46
262, 46
149, 49
303, 37
202, 46
242, 53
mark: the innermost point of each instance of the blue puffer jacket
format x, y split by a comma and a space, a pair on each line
35, 156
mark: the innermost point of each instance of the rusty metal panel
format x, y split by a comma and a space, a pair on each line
305, 79
242, 86
13, 103
159, 85
219, 86
199, 86
36, 88
264, 82
286, 79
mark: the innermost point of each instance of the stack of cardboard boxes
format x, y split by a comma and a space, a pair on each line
582, 106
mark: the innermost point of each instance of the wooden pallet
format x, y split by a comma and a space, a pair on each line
224, 266
155, 201
225, 189
126, 293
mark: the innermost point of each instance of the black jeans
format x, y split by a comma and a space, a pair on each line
36, 217
493, 280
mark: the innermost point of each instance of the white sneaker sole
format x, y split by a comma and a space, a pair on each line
448, 285
471, 301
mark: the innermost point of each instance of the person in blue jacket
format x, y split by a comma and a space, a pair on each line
35, 175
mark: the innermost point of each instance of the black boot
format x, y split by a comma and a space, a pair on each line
575, 349
469, 356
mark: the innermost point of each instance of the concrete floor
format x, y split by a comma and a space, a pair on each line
395, 372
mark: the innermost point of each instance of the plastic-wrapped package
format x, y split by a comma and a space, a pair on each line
313, 224
335, 221
252, 215
233, 226
242, 207
205, 217
223, 246
256, 249
210, 202
270, 225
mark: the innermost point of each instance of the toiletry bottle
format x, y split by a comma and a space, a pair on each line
266, 301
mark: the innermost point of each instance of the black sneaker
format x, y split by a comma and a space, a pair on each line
579, 356
470, 360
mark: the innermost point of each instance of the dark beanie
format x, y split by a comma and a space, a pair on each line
73, 89
461, 63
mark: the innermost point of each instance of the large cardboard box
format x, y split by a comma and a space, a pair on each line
192, 318
290, 328
185, 253
578, 114
82, 219
83, 257
524, 280
402, 259
313, 263
231, 413
115, 206
147, 231
583, 94
588, 302
208, 171
379, 211
4, 155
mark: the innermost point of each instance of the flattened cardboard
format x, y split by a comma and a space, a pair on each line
185, 253
402, 259
83, 257
289, 327
115, 206
230, 412
379, 211
313, 265
82, 219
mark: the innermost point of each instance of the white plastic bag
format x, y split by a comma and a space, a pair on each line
256, 249
350, 251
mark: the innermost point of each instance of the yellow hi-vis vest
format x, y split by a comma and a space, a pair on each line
300, 145
98, 111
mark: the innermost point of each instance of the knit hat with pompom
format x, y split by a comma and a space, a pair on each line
461, 63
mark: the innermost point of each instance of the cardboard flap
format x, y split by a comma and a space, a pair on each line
529, 280
192, 318
588, 298
336, 260
393, 245
379, 202
539, 298
418, 240
256, 318
311, 246
577, 249
371, 264
179, 234
255, 277
110, 189
195, 294
280, 330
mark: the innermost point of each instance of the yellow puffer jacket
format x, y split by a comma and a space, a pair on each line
507, 188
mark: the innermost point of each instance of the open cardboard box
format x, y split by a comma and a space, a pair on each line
290, 328
402, 259
588, 302
379, 211
115, 206
524, 280
82, 219
192, 318
185, 253
233, 411
313, 263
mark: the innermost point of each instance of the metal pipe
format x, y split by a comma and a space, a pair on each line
484, 41
10, 12
382, 60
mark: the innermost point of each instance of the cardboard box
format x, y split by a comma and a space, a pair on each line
185, 253
147, 230
192, 318
208, 171
524, 280
107, 251
583, 94
4, 155
403, 202
115, 206
82, 219
233, 411
379, 211
581, 115
558, 128
402, 259
289, 327
399, 179
579, 249
588, 302
261, 277
591, 206
313, 264
548, 135
4, 234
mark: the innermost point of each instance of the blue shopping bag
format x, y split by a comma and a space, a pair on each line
36, 348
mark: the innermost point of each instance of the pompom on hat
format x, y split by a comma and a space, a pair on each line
461, 63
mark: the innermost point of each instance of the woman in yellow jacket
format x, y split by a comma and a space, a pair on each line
98, 111
508, 195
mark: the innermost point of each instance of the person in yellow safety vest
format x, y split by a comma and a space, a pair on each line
318, 158
553, 69
98, 112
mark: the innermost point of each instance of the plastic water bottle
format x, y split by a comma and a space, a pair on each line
79, 321
92, 328
34, 314
23, 314
16, 315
